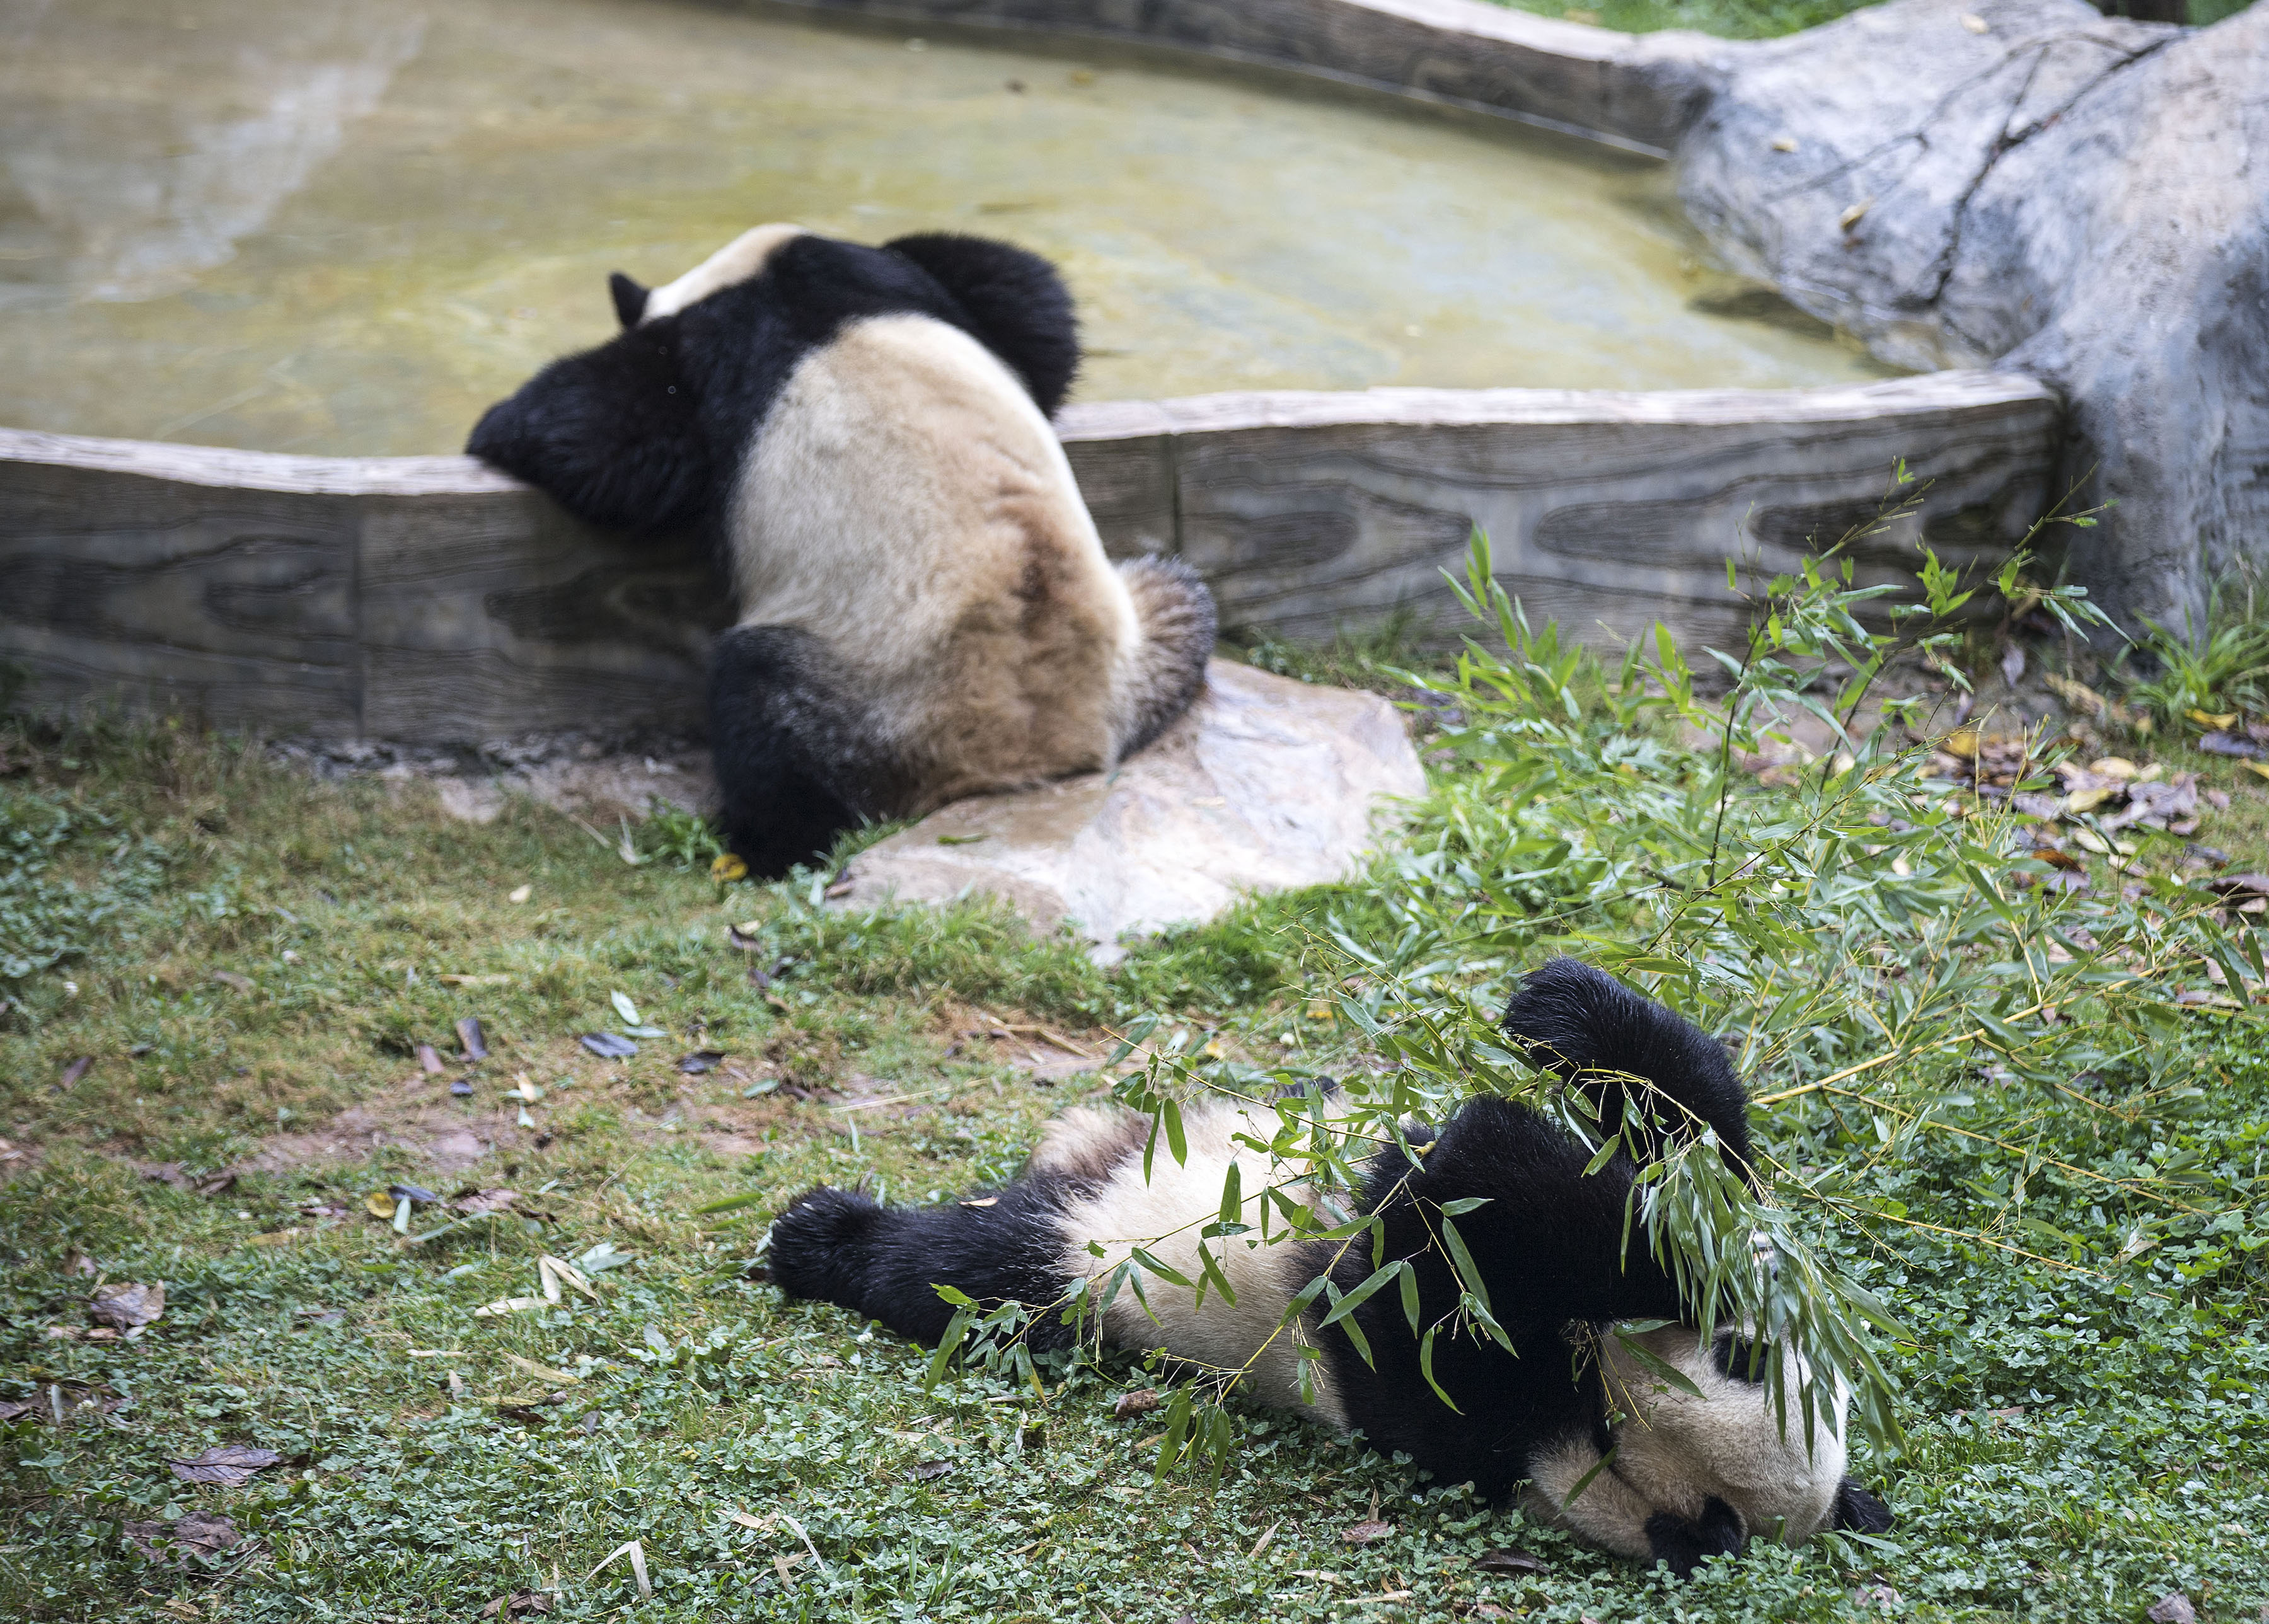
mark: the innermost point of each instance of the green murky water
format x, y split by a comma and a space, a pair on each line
344, 226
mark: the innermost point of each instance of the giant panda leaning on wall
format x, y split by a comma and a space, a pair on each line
924, 608
1688, 1477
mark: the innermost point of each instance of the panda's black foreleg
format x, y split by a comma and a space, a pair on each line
784, 746
887, 1263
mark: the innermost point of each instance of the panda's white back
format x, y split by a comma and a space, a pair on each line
905, 503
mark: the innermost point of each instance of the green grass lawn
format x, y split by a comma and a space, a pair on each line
247, 962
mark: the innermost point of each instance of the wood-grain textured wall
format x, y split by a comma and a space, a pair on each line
430, 598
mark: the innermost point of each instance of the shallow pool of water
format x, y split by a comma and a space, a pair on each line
334, 226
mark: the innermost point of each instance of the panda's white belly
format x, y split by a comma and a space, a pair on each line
902, 490
1163, 1214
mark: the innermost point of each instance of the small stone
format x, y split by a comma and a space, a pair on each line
2174, 1607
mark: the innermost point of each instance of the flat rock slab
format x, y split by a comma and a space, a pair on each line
1267, 784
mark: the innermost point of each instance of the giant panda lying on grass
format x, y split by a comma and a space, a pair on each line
924, 610
1690, 1477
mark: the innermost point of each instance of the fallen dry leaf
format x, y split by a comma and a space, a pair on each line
700, 1061
725, 868
517, 1603
429, 1060
1367, 1532
541, 1372
925, 1470
63, 1404
473, 1203
506, 1305
2172, 1608
471, 1039
227, 1466
2222, 743
195, 1535
128, 1306
636, 1552
1140, 1402
230, 979
550, 1269
76, 1070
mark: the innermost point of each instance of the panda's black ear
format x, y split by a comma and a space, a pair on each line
1018, 305
629, 300
1859, 1510
613, 435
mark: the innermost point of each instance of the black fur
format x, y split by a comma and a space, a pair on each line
843, 1247
1548, 1242
613, 435
648, 433
1015, 302
1858, 1511
1179, 616
1685, 1545
792, 761
629, 300
1592, 1030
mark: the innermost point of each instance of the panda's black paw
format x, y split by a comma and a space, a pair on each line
1686, 1546
1859, 1510
820, 1243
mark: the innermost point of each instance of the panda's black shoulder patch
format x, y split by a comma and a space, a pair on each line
1016, 304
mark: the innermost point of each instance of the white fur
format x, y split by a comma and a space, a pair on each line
735, 262
901, 490
1164, 1217
1674, 1451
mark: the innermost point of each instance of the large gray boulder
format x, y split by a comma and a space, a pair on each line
2029, 185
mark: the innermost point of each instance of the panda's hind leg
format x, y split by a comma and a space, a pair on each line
792, 759
887, 1262
1176, 615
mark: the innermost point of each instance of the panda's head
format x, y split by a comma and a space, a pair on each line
1725, 1441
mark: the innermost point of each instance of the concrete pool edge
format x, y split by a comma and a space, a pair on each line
431, 600
1635, 92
